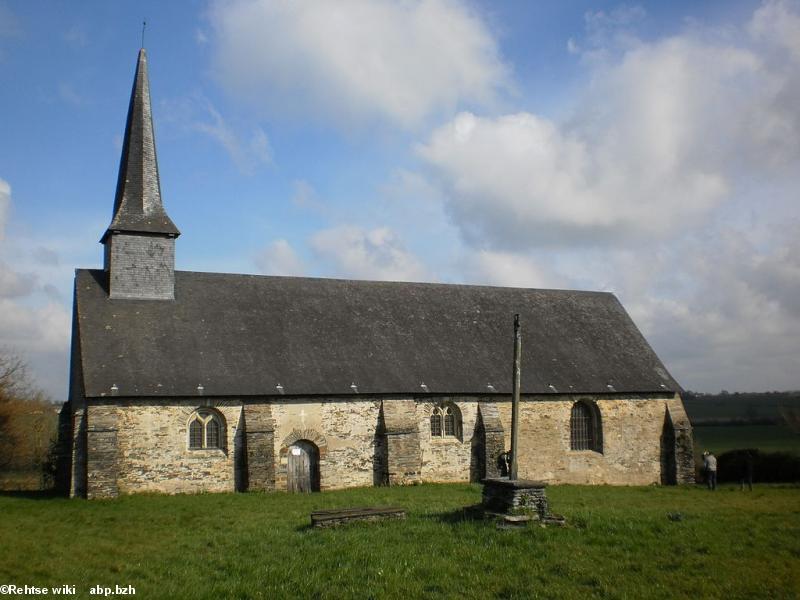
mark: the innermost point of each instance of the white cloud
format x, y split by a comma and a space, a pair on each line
34, 329
735, 322
248, 148
662, 137
33, 324
13, 284
46, 256
511, 270
247, 155
777, 22
279, 258
40, 336
572, 46
357, 253
305, 196
356, 59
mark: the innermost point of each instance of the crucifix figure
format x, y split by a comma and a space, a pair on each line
512, 474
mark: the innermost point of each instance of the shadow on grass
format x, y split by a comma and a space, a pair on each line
460, 515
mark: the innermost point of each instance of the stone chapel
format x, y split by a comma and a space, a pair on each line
211, 382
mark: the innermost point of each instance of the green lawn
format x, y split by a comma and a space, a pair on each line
619, 544
767, 438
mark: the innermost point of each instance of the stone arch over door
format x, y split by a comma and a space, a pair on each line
313, 448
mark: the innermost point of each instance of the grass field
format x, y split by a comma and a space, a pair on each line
619, 544
767, 438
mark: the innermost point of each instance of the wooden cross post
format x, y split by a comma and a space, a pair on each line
515, 398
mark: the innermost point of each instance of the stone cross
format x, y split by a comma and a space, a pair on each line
515, 398
303, 416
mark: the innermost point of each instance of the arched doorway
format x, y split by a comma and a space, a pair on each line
302, 468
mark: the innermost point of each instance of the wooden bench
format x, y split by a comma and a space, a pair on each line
339, 516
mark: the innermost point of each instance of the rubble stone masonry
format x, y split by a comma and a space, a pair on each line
124, 445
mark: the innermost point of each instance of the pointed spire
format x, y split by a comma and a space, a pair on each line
137, 206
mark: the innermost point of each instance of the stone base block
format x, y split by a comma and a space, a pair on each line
508, 497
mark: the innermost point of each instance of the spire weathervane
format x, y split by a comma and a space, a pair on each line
144, 26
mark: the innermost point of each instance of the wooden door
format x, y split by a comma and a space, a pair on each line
302, 468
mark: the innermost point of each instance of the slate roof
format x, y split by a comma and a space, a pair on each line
240, 335
137, 204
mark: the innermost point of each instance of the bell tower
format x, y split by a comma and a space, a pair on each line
139, 256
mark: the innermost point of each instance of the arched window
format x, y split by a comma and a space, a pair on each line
449, 421
436, 422
446, 421
212, 434
195, 434
585, 427
206, 430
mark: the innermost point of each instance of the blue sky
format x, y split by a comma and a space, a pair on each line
648, 149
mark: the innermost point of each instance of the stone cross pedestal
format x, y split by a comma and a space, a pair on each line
509, 496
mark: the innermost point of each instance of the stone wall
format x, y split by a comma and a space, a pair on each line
446, 458
631, 428
493, 440
403, 455
102, 451
140, 266
257, 467
77, 466
348, 429
153, 452
122, 445
683, 439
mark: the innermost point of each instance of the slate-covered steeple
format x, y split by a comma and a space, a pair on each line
137, 206
140, 241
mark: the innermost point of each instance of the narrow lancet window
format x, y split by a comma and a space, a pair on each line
436, 423
195, 434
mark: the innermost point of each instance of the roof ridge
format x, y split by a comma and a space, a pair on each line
393, 282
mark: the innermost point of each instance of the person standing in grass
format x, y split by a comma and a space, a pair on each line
710, 464
747, 470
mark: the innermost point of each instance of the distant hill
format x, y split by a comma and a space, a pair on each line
744, 408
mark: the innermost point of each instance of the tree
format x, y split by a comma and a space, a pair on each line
28, 420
